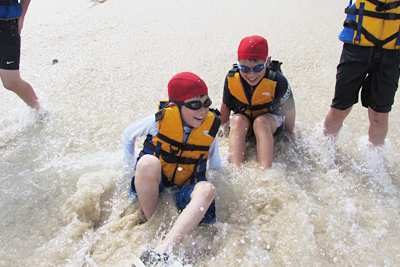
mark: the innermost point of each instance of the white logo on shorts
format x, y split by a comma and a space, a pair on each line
10, 62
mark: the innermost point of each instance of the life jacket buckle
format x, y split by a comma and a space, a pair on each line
391, 16
380, 7
377, 55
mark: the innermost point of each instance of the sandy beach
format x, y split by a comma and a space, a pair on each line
65, 196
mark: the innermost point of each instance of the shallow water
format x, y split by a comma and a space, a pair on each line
64, 194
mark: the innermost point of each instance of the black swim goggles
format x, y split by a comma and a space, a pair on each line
194, 105
257, 68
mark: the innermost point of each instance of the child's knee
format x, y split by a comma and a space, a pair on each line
240, 121
206, 189
148, 164
264, 122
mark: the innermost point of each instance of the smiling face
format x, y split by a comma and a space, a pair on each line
194, 118
252, 78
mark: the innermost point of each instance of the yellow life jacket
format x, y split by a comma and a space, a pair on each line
261, 101
372, 23
183, 163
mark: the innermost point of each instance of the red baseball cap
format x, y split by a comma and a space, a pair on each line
253, 47
186, 85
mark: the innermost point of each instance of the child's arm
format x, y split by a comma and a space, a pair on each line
142, 127
225, 113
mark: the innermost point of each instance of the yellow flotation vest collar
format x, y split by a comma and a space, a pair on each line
183, 163
261, 100
373, 23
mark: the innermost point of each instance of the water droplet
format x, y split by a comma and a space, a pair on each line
201, 208
180, 169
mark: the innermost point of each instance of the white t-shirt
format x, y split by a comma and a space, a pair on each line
148, 125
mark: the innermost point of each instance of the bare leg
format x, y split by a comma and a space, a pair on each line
378, 127
264, 128
201, 198
240, 125
13, 82
147, 179
334, 121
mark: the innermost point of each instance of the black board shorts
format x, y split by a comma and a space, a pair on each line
356, 70
10, 44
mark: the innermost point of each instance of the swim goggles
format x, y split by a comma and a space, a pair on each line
195, 105
257, 68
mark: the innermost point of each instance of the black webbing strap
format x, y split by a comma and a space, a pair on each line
273, 68
193, 179
180, 146
351, 24
381, 6
215, 126
159, 115
232, 72
166, 182
261, 106
385, 16
8, 2
171, 158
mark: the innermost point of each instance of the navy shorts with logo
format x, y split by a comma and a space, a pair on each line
10, 44
356, 70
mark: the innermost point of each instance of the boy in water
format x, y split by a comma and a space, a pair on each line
12, 16
261, 99
181, 138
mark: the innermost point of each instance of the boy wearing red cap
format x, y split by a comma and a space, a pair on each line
181, 140
261, 99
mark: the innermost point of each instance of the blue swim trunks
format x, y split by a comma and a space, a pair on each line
182, 199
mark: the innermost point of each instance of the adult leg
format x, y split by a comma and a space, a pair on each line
264, 128
240, 126
12, 81
201, 198
147, 180
378, 127
334, 121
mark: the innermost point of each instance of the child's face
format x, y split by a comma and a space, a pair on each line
194, 118
252, 77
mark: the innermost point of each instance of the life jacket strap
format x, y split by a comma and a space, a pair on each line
361, 11
381, 6
351, 24
8, 2
195, 172
181, 146
261, 106
168, 157
360, 22
216, 123
166, 182
273, 68
232, 72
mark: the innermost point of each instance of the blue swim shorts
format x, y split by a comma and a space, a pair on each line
182, 199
